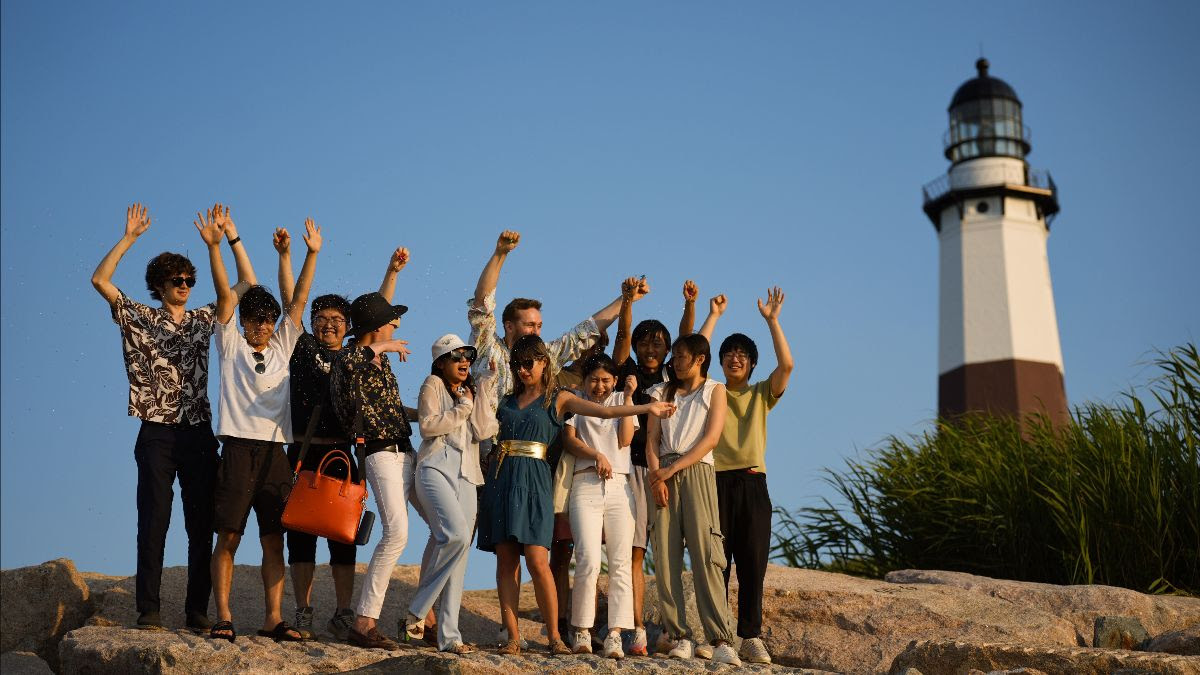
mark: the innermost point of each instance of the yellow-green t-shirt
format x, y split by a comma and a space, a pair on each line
743, 442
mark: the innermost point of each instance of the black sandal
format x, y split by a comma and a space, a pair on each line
222, 626
282, 632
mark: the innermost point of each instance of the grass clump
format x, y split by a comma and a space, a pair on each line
1111, 497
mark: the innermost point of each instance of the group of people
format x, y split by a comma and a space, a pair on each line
542, 450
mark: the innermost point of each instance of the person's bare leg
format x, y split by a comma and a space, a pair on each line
508, 562
302, 582
537, 560
343, 586
221, 569
272, 577
639, 586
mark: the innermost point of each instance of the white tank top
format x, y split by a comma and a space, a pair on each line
681, 430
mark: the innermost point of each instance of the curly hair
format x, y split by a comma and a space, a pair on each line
164, 266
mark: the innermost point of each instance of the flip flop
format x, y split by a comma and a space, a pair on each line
222, 626
282, 632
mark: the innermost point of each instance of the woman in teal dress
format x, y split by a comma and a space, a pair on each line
517, 511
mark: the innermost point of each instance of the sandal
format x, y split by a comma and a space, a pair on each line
558, 648
282, 632
411, 631
510, 648
222, 626
462, 649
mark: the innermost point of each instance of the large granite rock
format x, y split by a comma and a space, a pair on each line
1081, 605
953, 657
1185, 641
23, 663
40, 604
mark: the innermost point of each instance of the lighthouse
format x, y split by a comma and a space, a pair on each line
998, 345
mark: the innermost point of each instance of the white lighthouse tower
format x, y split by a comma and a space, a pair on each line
998, 346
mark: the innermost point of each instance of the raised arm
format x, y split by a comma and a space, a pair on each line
137, 221
245, 271
388, 287
490, 275
211, 231
632, 290
783, 353
282, 241
716, 307
688, 321
570, 403
705, 444
625, 426
312, 238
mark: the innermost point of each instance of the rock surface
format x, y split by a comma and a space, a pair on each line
952, 657
1186, 641
40, 604
23, 663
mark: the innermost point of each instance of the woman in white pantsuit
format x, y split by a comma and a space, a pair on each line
452, 422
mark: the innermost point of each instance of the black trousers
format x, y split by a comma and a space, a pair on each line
745, 508
162, 452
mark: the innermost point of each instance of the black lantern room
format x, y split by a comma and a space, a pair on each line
985, 120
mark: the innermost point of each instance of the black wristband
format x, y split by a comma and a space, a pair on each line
234, 240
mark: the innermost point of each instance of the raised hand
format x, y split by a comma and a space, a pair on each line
312, 237
630, 385
635, 288
281, 240
210, 228
136, 220
690, 291
399, 259
718, 304
507, 241
221, 213
774, 303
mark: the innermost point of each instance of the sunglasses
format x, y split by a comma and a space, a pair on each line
261, 366
178, 282
462, 355
524, 364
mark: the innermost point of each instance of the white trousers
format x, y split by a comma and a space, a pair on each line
602, 509
448, 506
390, 475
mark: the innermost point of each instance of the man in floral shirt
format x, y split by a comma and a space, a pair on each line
166, 361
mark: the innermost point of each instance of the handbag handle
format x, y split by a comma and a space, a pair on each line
334, 456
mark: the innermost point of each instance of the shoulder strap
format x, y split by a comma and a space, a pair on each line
308, 434
360, 446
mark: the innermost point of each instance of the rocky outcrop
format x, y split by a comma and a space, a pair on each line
1186, 641
23, 663
953, 657
41, 603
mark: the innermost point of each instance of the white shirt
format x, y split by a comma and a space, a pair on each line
681, 430
253, 405
602, 436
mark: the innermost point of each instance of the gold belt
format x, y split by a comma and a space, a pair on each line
530, 449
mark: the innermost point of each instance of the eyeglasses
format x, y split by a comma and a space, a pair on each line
179, 281
261, 366
462, 355
334, 321
737, 355
524, 364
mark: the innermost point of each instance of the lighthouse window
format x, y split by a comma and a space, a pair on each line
982, 207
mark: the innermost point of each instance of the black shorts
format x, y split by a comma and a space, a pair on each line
251, 474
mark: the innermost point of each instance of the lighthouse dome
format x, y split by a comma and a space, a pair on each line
985, 120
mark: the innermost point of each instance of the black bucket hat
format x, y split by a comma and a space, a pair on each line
371, 311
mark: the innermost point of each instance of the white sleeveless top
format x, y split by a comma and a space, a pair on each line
681, 430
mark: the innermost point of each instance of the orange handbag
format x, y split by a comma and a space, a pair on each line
326, 506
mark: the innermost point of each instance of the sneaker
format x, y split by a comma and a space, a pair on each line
723, 653
704, 651
612, 646
341, 623
683, 649
637, 645
582, 642
754, 651
303, 623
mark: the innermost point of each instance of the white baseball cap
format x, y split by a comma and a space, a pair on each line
448, 343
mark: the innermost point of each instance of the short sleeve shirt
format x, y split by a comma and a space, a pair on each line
602, 436
255, 406
310, 367
166, 362
743, 442
681, 431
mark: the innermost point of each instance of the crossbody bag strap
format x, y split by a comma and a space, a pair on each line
360, 446
307, 440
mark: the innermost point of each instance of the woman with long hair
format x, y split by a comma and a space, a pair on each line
684, 487
454, 416
517, 513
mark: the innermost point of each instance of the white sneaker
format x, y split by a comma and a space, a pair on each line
612, 646
723, 653
754, 651
682, 649
582, 642
704, 651
637, 644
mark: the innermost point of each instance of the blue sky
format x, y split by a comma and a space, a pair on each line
740, 144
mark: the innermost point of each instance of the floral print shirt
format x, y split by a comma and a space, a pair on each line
359, 387
166, 362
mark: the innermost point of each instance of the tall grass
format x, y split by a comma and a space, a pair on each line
1112, 497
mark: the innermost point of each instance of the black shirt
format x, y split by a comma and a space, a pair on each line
310, 367
637, 447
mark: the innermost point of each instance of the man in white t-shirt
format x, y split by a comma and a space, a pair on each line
254, 423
